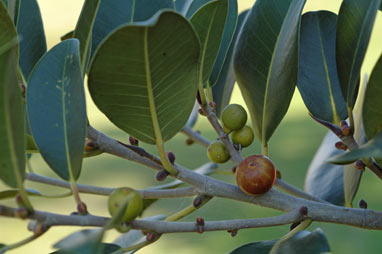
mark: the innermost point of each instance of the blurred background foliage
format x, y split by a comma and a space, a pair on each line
291, 148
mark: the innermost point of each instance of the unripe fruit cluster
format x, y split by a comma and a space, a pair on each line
234, 118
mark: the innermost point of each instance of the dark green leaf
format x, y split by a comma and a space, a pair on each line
154, 63
12, 193
12, 133
112, 14
78, 239
324, 180
222, 90
182, 6
263, 247
68, 35
56, 107
372, 106
83, 31
99, 248
354, 26
190, 7
265, 61
32, 36
208, 23
303, 242
226, 42
317, 74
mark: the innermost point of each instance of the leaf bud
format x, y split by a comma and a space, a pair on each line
21, 213
341, 146
197, 201
161, 175
133, 141
362, 204
304, 210
171, 157
359, 165
82, 208
199, 221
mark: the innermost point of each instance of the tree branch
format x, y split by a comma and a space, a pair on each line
273, 199
236, 157
195, 136
146, 194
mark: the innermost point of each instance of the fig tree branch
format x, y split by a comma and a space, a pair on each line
52, 219
189, 132
90, 189
236, 157
317, 211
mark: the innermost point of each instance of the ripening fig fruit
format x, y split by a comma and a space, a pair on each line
244, 136
234, 117
217, 152
134, 203
256, 174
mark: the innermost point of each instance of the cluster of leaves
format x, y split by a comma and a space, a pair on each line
146, 60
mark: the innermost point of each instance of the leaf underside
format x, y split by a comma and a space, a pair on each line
158, 58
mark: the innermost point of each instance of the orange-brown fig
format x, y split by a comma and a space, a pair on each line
256, 174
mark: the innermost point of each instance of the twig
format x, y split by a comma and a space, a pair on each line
195, 136
350, 142
147, 193
211, 116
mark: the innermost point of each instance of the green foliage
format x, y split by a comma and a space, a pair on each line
265, 62
56, 108
32, 36
372, 107
112, 14
209, 22
147, 73
222, 89
12, 137
145, 61
354, 25
317, 74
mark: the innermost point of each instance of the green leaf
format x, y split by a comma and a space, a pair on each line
8, 37
32, 36
263, 247
303, 242
83, 30
112, 14
354, 26
12, 134
222, 90
191, 6
208, 23
182, 6
325, 180
85, 242
265, 62
226, 42
372, 107
56, 108
373, 148
147, 73
13, 193
317, 73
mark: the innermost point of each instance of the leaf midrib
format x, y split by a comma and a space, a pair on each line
202, 59
356, 53
66, 143
335, 115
